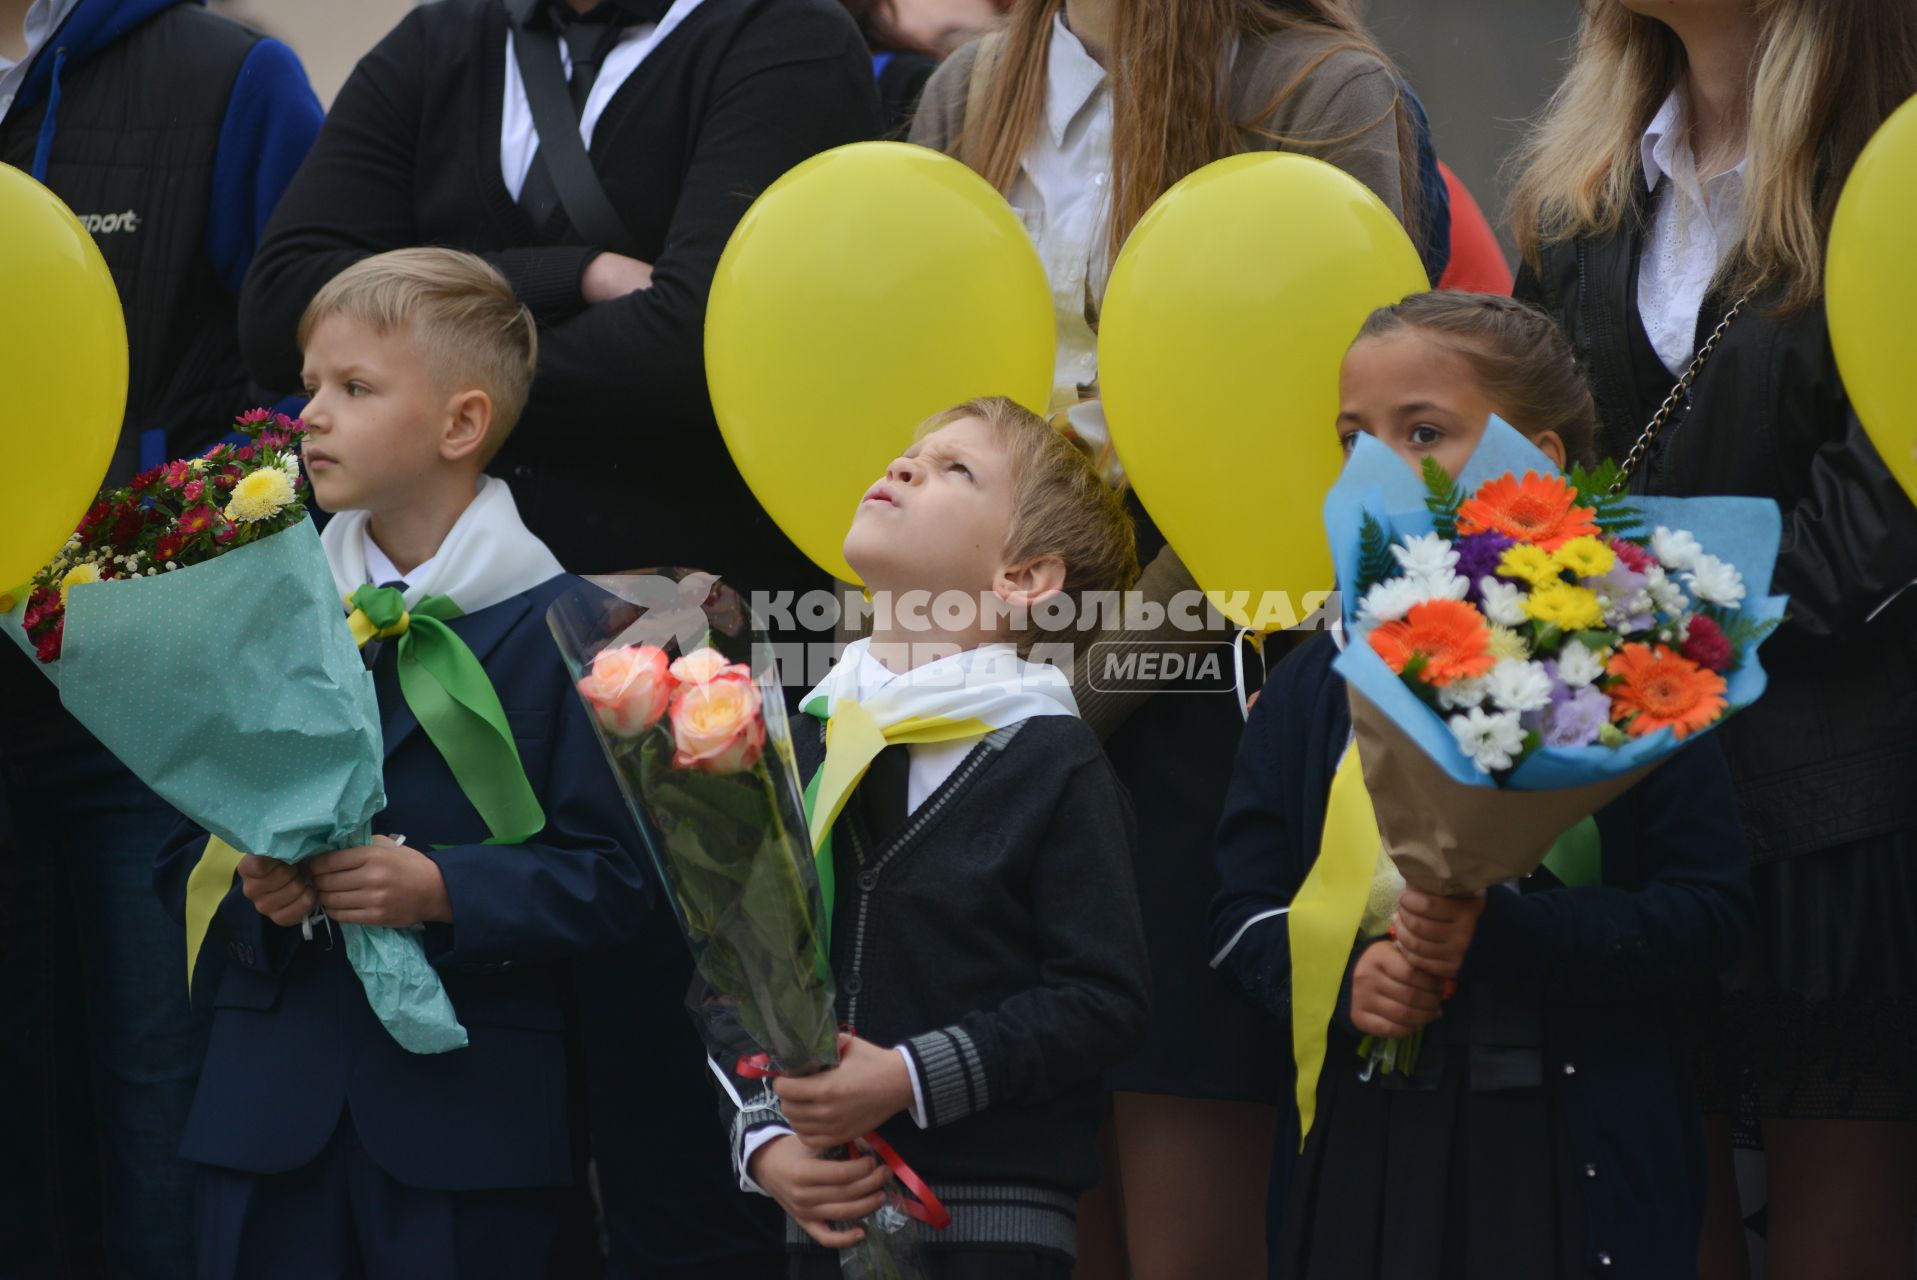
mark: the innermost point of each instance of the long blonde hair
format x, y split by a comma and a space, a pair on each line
1171, 93
1824, 75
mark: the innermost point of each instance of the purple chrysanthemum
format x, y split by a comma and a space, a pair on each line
1478, 555
1574, 717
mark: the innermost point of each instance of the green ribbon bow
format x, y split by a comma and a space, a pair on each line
453, 699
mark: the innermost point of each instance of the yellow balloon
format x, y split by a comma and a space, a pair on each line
1871, 276
63, 368
1226, 318
867, 289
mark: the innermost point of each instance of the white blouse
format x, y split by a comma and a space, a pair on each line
1063, 194
1693, 224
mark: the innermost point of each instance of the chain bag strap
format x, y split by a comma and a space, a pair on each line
1662, 417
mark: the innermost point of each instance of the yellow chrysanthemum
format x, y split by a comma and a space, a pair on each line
1585, 557
1565, 606
1533, 564
1506, 643
78, 574
258, 495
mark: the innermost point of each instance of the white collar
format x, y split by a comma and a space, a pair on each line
380, 567
1072, 79
1665, 148
488, 556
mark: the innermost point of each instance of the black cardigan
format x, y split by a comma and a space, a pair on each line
1610, 963
995, 934
617, 462
1826, 756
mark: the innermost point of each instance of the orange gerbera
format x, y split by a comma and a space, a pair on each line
1537, 509
1449, 635
1658, 687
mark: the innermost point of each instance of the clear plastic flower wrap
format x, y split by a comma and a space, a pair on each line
685, 697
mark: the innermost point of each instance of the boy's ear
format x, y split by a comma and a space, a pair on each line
1031, 582
1551, 445
469, 416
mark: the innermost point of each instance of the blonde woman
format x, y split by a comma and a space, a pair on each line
1673, 206
1084, 112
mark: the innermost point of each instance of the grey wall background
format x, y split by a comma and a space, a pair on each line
1482, 68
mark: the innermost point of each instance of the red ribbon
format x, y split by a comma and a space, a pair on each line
918, 1201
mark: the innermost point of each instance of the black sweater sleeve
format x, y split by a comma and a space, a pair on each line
1090, 1006
774, 107
793, 81
1259, 867
353, 197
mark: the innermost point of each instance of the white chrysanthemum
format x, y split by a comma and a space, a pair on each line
1665, 594
1675, 549
1716, 581
1467, 691
1578, 666
1503, 602
1388, 601
1515, 685
290, 464
1442, 585
1492, 741
1425, 555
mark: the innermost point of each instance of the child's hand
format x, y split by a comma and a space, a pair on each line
1436, 931
818, 1192
1390, 996
279, 891
868, 1087
381, 883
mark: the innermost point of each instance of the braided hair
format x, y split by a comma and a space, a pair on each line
1518, 355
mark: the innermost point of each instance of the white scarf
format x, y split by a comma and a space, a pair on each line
488, 556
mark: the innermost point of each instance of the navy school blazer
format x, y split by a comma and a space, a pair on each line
294, 1041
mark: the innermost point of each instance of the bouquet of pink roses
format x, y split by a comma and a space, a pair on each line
692, 721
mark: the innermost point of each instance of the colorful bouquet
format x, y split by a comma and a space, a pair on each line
192, 626
174, 516
692, 721
1535, 614
1522, 646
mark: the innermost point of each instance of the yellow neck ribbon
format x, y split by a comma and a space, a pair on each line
1323, 926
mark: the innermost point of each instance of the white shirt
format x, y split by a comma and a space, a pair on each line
380, 568
519, 141
1063, 195
931, 762
43, 19
1693, 224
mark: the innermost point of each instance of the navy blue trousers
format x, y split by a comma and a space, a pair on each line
342, 1218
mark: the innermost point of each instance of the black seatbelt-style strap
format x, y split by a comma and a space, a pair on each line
587, 205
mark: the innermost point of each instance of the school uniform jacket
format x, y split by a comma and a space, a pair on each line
294, 1042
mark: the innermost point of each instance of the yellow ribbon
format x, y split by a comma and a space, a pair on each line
205, 888
365, 629
1325, 915
853, 740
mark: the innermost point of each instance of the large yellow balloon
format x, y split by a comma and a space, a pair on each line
868, 288
1225, 321
1871, 277
63, 370
62, 374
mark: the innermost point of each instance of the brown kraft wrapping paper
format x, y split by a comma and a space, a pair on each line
1454, 839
